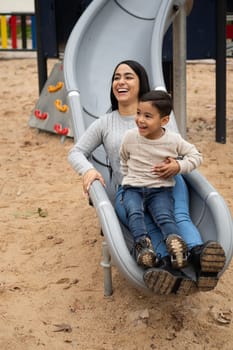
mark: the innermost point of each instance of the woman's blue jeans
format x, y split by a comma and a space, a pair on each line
187, 229
157, 201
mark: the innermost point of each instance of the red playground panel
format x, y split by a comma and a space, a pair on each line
229, 31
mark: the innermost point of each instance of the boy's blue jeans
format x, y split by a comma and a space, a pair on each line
157, 201
187, 229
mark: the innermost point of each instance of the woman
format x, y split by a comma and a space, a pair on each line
129, 82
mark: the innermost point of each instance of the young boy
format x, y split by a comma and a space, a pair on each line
150, 157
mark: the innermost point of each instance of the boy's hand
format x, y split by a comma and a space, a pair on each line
169, 167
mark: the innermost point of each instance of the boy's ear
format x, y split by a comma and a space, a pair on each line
165, 120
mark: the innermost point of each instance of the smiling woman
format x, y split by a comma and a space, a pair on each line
110, 128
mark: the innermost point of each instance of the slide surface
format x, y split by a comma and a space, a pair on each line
108, 32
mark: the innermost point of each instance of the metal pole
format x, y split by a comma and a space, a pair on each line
41, 59
106, 264
24, 31
179, 69
221, 71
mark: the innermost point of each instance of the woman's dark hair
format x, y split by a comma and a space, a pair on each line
159, 99
140, 71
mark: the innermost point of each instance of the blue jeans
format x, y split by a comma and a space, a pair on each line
187, 229
157, 201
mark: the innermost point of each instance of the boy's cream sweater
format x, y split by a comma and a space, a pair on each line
139, 154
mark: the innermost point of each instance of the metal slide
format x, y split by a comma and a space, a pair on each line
110, 31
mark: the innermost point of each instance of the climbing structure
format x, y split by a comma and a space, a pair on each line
51, 112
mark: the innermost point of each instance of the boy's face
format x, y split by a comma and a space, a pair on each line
148, 121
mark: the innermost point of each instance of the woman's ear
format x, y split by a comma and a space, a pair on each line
164, 120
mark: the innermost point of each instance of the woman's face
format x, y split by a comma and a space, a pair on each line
125, 85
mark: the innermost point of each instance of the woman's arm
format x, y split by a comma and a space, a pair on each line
81, 151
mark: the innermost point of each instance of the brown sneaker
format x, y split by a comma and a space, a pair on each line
178, 251
144, 253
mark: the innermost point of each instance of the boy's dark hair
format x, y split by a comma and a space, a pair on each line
140, 71
159, 99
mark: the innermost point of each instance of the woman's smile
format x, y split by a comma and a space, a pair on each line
125, 84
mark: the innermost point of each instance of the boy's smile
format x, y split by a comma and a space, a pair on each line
149, 122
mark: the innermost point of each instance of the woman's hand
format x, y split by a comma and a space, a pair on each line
90, 176
169, 167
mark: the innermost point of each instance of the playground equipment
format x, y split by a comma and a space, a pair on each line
53, 30
51, 112
18, 32
110, 31
205, 39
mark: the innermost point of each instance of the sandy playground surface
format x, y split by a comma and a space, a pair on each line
51, 282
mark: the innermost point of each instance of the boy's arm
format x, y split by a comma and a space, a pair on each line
189, 156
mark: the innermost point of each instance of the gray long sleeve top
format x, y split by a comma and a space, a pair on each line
108, 131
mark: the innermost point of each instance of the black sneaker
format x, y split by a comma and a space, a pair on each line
208, 260
144, 253
163, 280
178, 251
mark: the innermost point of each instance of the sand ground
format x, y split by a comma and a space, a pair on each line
51, 282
